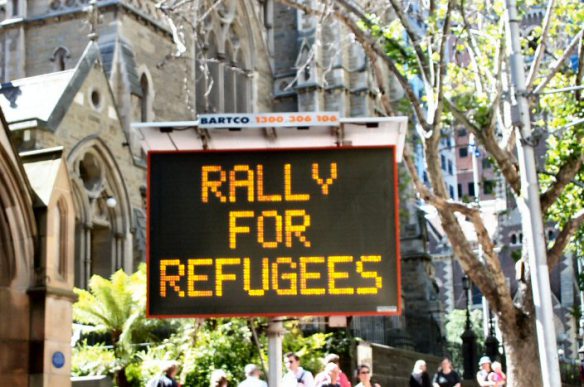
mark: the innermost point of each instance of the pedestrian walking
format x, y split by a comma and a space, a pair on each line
484, 374
218, 379
364, 374
296, 375
252, 374
420, 376
446, 375
167, 379
330, 376
333, 358
498, 376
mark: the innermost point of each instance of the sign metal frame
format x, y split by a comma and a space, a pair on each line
391, 310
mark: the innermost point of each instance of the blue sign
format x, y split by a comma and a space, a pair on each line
58, 359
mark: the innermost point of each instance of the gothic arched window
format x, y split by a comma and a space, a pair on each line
145, 88
229, 80
60, 238
59, 58
222, 65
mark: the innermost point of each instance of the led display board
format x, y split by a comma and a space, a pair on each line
278, 232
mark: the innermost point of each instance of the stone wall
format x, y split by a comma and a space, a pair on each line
83, 121
17, 251
43, 38
151, 47
392, 366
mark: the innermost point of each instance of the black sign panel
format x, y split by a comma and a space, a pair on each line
273, 232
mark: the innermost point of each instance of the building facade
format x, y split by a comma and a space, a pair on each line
142, 62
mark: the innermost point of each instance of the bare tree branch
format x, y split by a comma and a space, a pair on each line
555, 252
413, 36
556, 65
564, 176
385, 101
473, 49
492, 284
541, 48
442, 204
442, 64
369, 44
505, 159
499, 61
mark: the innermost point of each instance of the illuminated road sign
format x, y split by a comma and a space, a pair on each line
279, 232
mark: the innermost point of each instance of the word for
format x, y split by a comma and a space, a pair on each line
293, 223
223, 184
283, 275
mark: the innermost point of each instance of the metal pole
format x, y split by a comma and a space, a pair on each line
469, 339
276, 332
477, 189
530, 208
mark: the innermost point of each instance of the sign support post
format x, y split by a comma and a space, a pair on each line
276, 333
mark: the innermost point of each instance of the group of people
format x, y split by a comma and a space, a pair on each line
330, 376
489, 374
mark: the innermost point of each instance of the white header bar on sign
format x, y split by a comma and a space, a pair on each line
273, 120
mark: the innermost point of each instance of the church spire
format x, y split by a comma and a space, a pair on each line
93, 18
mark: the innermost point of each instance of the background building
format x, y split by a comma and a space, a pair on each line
139, 63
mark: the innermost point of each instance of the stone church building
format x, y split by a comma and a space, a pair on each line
76, 74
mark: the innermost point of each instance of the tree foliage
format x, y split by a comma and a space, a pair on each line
116, 308
460, 56
133, 348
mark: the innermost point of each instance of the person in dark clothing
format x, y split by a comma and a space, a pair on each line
446, 375
420, 376
167, 378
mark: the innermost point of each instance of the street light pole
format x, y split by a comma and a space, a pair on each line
491, 342
477, 191
469, 339
530, 208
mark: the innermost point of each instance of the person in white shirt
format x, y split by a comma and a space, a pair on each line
252, 374
296, 375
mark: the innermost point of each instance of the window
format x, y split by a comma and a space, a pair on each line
222, 77
144, 101
95, 98
477, 296
459, 186
463, 151
229, 80
443, 162
450, 168
461, 132
425, 177
486, 163
489, 187
513, 239
59, 58
60, 238
551, 235
471, 190
451, 190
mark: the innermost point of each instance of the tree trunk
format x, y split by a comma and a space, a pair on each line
121, 379
522, 355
